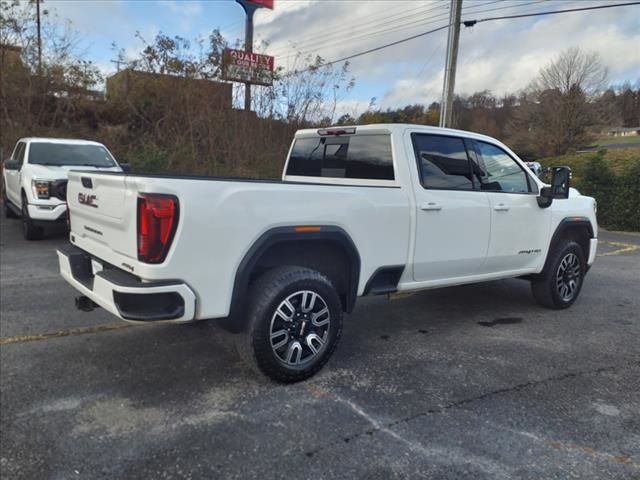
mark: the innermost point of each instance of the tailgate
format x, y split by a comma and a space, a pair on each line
102, 213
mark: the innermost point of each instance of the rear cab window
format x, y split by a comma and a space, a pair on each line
443, 162
358, 158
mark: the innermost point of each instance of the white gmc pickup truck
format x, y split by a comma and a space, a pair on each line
362, 210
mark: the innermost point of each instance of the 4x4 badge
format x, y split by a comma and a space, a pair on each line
89, 200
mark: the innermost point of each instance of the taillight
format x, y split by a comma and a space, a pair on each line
157, 222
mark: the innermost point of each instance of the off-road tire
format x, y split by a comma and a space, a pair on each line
267, 295
29, 230
547, 289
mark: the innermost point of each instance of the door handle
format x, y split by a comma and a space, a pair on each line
501, 207
431, 206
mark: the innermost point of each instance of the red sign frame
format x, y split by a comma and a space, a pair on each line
262, 3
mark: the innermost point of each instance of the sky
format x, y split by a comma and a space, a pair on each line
501, 56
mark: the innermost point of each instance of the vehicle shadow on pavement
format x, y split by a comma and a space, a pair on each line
158, 363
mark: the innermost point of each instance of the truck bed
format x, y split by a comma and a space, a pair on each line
221, 218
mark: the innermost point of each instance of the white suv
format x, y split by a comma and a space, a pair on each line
35, 178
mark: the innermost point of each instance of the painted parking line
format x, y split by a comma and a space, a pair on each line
74, 332
620, 248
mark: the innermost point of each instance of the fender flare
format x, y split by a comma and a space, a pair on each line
566, 223
235, 321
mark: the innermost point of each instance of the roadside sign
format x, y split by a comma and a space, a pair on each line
248, 67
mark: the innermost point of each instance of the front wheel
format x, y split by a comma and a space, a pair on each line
29, 229
294, 323
561, 282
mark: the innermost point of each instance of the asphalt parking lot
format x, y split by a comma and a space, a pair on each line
468, 382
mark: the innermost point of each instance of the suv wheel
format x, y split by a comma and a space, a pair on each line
294, 323
29, 230
562, 280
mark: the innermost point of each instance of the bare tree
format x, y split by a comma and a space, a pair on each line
310, 91
574, 68
556, 111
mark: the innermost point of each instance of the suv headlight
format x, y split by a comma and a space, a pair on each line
41, 189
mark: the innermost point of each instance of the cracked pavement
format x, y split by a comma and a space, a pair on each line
468, 382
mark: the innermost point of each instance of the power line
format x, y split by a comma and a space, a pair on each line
421, 22
519, 5
425, 66
466, 24
329, 39
371, 50
363, 36
384, 19
471, 23
349, 32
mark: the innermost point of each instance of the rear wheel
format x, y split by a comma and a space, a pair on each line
294, 323
29, 229
561, 282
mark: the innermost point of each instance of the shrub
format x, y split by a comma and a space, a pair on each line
613, 179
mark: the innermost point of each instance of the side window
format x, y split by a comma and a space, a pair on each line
499, 172
443, 162
19, 155
366, 157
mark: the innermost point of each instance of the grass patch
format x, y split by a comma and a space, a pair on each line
604, 141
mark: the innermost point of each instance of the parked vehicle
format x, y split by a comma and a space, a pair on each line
35, 178
364, 210
536, 168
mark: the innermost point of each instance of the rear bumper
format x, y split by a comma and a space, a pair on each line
124, 294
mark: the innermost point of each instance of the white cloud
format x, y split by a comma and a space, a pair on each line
183, 12
502, 56
282, 8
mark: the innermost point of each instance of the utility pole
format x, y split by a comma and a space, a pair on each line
39, 38
118, 63
448, 88
250, 9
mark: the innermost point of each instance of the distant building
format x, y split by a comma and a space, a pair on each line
623, 131
133, 84
10, 56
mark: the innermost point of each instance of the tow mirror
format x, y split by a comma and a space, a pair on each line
560, 184
11, 165
125, 167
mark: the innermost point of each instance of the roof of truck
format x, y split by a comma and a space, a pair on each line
74, 141
397, 128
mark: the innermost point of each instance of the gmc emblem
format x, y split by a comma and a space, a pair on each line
88, 200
